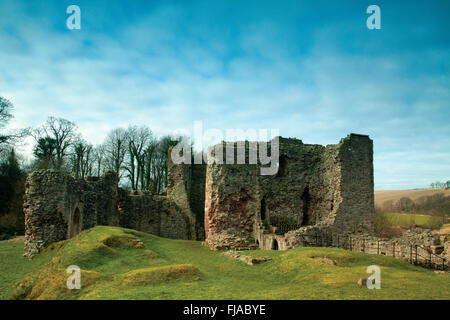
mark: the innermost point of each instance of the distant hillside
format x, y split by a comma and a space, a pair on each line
382, 196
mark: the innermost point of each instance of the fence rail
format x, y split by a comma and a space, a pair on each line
414, 254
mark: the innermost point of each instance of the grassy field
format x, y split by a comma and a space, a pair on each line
14, 267
407, 218
119, 263
385, 195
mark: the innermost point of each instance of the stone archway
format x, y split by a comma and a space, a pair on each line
274, 244
262, 212
306, 207
75, 223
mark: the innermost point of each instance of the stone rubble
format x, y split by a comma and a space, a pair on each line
246, 259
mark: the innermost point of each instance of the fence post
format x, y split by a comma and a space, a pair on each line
364, 245
338, 241
410, 253
393, 249
416, 253
430, 259
351, 244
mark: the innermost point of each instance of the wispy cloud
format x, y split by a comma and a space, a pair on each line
313, 71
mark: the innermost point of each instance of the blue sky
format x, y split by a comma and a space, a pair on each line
311, 69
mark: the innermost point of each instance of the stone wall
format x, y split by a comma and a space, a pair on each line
153, 214
186, 188
328, 187
316, 188
418, 246
57, 207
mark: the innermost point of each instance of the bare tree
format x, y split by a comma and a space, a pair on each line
138, 140
116, 147
6, 139
5, 112
148, 165
82, 159
98, 157
63, 132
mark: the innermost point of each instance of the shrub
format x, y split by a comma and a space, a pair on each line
8, 226
384, 227
434, 223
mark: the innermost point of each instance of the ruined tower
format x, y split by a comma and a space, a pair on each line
317, 189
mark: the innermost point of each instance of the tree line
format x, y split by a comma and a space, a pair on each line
138, 156
135, 153
436, 204
440, 185
12, 174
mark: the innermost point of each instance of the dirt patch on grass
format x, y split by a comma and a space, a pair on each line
182, 272
123, 241
328, 261
247, 259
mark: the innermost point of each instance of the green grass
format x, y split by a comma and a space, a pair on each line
120, 263
13, 266
401, 219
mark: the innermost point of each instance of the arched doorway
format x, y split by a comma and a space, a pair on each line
263, 209
282, 164
75, 223
306, 207
274, 244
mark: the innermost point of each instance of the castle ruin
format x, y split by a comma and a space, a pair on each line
317, 189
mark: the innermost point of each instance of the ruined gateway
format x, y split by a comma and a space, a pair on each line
317, 190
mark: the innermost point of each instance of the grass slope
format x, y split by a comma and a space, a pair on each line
120, 263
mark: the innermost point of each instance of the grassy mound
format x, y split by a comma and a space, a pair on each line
104, 254
119, 263
161, 274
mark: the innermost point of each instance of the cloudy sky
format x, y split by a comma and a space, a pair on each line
311, 69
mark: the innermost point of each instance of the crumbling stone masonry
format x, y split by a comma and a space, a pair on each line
418, 246
320, 196
317, 189
58, 207
186, 188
